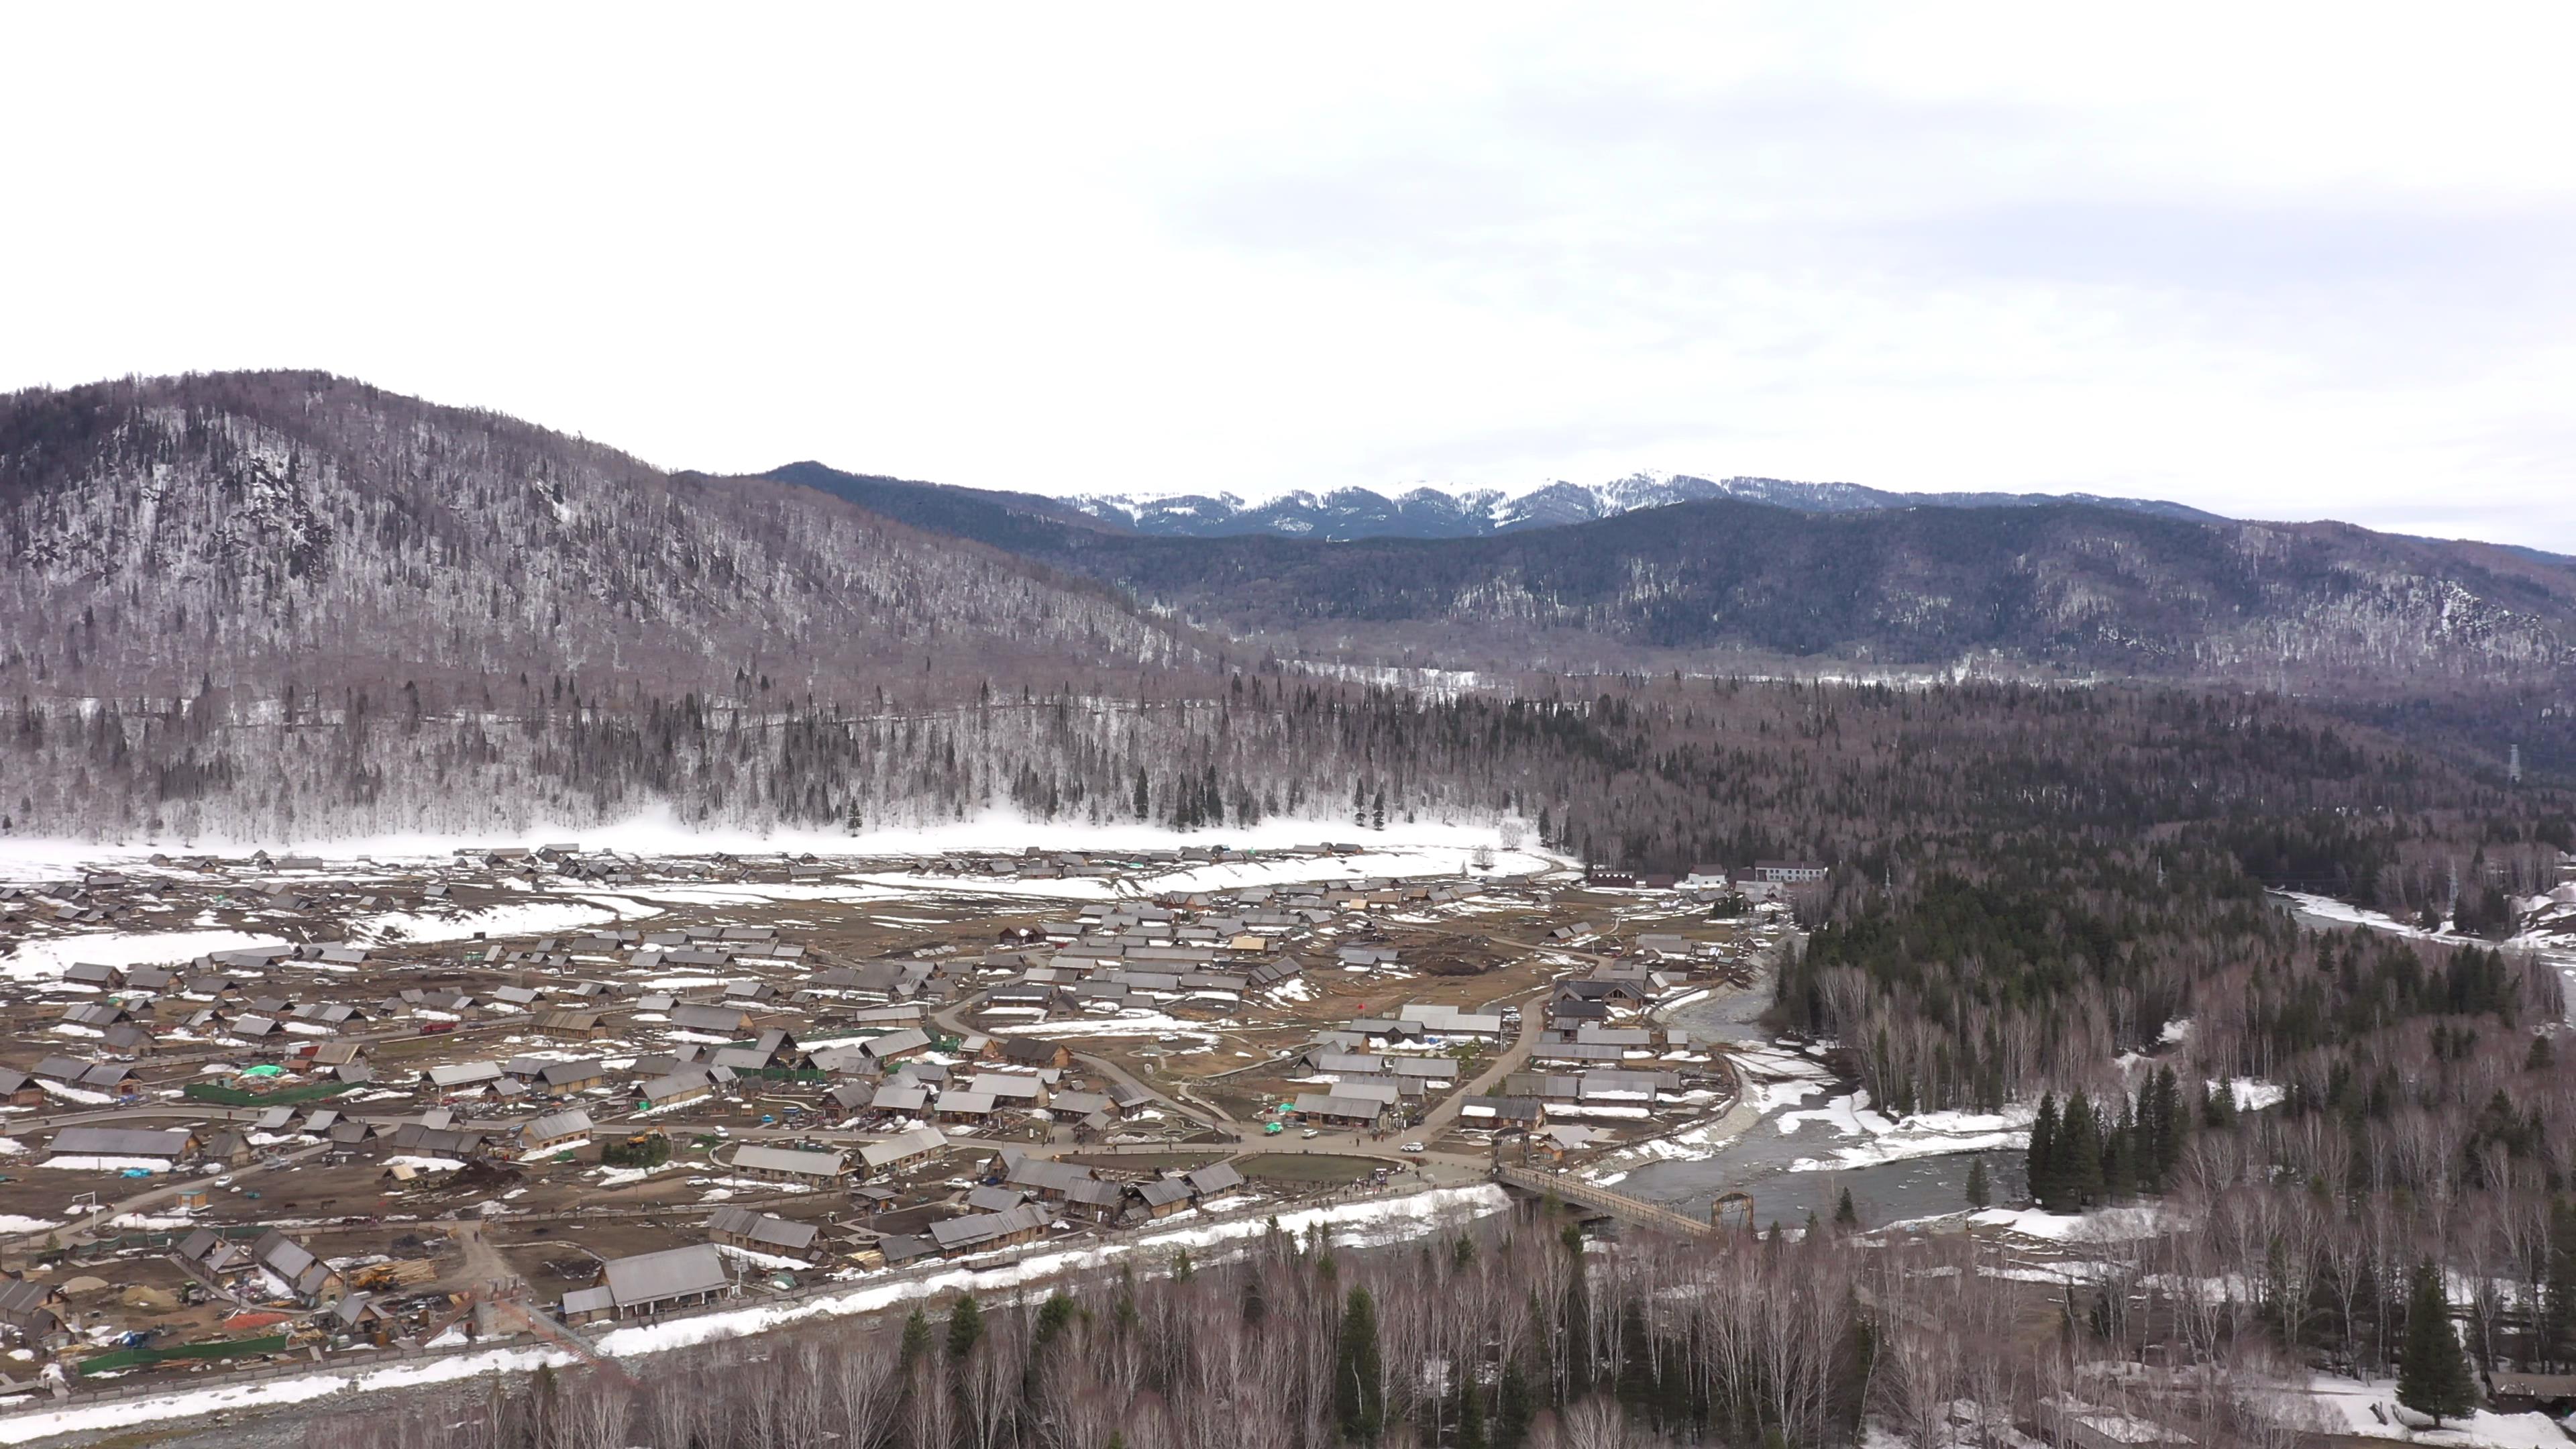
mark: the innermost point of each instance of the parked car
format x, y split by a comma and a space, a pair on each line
1413, 1147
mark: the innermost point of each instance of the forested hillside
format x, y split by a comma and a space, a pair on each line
261, 531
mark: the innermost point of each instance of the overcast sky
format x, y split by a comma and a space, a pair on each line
2274, 263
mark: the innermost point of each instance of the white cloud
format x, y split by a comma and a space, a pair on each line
2291, 262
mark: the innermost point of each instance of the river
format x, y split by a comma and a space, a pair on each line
1760, 1160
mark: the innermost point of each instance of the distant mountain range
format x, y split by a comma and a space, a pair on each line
1355, 513
1829, 574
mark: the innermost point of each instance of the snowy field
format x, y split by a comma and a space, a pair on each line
47, 957
872, 873
25, 859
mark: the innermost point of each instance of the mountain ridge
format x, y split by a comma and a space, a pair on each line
2062, 587
1425, 512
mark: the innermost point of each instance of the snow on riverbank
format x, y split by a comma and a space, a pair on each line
1878, 1138
2105, 1225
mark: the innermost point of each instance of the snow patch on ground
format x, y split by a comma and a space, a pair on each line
35, 960
519, 918
1925, 1134
2342, 1406
2108, 1225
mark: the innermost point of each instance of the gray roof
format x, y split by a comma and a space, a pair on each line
672, 1273
790, 1160
1323, 1104
678, 1084
983, 1227
903, 1146
1214, 1178
708, 1018
902, 1097
908, 1039
1338, 1062
121, 1142
766, 1229
1046, 1174
556, 1125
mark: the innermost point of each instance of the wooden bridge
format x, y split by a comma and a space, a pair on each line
1601, 1199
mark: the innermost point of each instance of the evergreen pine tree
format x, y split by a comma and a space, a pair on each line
2218, 1109
916, 1337
1471, 1415
1056, 1315
2076, 1158
965, 1326
1517, 1409
1359, 1387
1845, 1215
2163, 1123
2120, 1156
1977, 1195
2043, 1149
2432, 1372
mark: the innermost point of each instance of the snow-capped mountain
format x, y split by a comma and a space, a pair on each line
1349, 513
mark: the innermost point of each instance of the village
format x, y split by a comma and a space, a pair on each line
274, 1108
